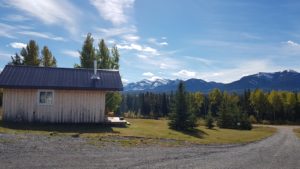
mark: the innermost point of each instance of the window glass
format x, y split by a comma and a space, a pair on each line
46, 97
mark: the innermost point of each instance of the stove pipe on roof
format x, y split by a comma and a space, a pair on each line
95, 76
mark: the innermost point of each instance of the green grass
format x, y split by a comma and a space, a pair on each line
297, 131
142, 131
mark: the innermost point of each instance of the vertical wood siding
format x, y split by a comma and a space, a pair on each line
69, 106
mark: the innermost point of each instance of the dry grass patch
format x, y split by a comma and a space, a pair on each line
297, 131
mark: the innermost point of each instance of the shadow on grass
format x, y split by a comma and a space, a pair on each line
62, 128
194, 133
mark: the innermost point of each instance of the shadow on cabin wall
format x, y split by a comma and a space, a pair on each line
62, 128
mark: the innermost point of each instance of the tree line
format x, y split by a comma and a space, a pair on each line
31, 56
259, 106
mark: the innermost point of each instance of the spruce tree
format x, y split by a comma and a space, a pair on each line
115, 58
31, 54
104, 56
16, 60
87, 53
180, 118
209, 121
47, 59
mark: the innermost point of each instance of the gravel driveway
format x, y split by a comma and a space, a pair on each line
281, 151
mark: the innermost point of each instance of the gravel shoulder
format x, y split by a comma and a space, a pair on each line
36, 151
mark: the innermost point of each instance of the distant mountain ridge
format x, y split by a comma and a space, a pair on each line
285, 80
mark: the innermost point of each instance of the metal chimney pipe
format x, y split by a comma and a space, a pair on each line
95, 67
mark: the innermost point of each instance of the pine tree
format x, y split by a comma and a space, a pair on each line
180, 118
31, 54
87, 54
47, 59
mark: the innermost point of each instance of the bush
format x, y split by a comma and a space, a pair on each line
209, 121
245, 123
252, 119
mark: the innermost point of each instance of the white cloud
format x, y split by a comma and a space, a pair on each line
17, 45
142, 56
163, 66
112, 32
71, 53
131, 37
137, 47
163, 43
15, 18
5, 56
153, 78
148, 74
49, 11
239, 70
125, 81
155, 42
199, 59
185, 74
250, 36
7, 31
115, 11
291, 43
42, 35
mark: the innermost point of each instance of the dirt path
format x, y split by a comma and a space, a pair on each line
282, 150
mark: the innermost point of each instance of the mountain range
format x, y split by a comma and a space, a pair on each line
284, 80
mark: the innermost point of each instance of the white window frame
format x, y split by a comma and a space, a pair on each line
39, 94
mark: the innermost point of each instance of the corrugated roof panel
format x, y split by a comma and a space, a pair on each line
59, 78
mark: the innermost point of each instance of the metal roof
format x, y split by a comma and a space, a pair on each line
59, 78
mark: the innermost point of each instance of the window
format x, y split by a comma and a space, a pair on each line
46, 97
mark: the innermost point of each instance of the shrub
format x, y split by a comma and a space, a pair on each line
245, 123
252, 119
209, 121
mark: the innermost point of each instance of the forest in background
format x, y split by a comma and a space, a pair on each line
278, 107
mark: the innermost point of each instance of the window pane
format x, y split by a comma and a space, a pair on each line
49, 97
42, 97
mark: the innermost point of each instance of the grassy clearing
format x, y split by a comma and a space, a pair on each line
297, 131
141, 131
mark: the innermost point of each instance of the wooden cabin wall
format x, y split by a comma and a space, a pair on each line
69, 106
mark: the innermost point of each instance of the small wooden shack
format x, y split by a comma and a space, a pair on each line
56, 95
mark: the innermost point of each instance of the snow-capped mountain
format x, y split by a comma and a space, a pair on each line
285, 80
146, 85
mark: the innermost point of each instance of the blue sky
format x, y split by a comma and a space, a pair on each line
213, 40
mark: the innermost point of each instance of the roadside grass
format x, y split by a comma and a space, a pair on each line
141, 131
297, 131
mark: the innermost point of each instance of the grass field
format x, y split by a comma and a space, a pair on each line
297, 131
144, 130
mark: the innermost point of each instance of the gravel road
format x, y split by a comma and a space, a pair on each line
281, 151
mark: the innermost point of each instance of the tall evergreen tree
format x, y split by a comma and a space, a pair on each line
87, 53
115, 58
104, 56
181, 119
47, 59
16, 60
31, 54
